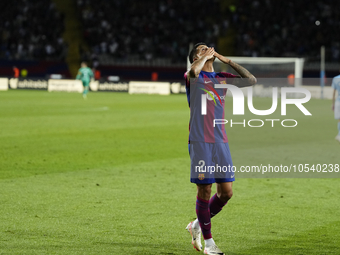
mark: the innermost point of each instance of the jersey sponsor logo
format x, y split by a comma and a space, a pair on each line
213, 94
209, 97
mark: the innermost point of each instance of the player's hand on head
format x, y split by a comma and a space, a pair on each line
209, 53
216, 54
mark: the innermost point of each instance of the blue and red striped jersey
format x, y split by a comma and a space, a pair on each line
201, 127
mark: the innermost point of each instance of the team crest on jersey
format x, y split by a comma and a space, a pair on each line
223, 82
201, 177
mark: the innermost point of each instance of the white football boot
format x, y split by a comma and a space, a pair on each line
213, 250
196, 236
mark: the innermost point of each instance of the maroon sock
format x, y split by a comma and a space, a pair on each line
215, 205
203, 215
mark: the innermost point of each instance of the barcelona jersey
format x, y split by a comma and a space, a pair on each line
202, 98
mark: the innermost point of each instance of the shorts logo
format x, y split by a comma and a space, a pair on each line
201, 177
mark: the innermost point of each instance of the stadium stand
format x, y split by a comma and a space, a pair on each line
287, 28
149, 30
31, 30
126, 34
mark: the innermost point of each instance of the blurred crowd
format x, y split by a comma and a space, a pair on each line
163, 29
287, 28
31, 30
149, 29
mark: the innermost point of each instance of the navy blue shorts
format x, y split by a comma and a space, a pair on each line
210, 163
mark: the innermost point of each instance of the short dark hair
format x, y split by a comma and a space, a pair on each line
193, 51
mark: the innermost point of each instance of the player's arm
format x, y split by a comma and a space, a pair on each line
245, 77
78, 77
197, 65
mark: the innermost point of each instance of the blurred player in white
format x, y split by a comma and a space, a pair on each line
336, 103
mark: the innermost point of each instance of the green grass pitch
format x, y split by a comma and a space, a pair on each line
110, 175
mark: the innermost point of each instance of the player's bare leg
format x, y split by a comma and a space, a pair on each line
224, 191
338, 136
204, 191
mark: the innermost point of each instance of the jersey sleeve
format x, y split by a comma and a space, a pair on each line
187, 82
79, 74
228, 75
335, 81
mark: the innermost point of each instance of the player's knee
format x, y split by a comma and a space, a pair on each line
204, 191
226, 195
230, 194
